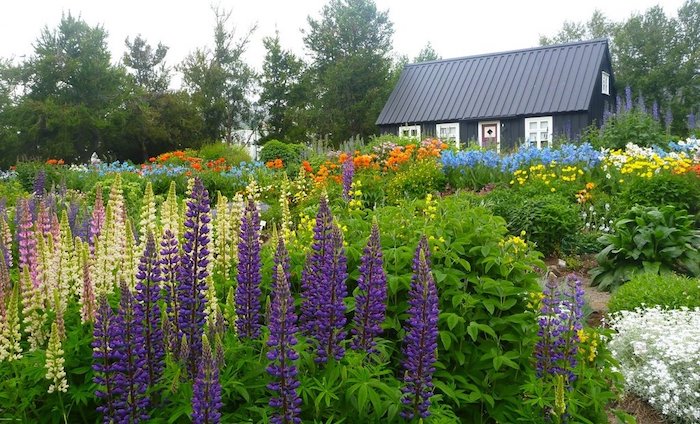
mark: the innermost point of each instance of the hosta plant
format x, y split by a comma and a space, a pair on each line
648, 239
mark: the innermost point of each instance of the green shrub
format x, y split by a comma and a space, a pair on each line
234, 154
648, 239
627, 127
667, 290
545, 218
681, 191
289, 153
416, 181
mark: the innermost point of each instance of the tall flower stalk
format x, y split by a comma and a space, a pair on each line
283, 327
249, 274
206, 392
105, 357
169, 264
370, 301
420, 344
331, 294
193, 273
348, 175
147, 309
132, 367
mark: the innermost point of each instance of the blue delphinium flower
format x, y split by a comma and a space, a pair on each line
192, 274
420, 344
283, 327
147, 310
206, 390
249, 274
628, 98
655, 111
370, 301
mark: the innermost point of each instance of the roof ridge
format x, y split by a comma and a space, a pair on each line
507, 52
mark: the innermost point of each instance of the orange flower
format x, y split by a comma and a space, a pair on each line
342, 157
197, 166
52, 162
307, 167
151, 159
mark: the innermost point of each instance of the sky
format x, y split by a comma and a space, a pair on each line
454, 28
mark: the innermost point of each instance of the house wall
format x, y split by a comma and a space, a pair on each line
570, 124
601, 102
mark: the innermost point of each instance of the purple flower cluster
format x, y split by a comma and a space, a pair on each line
283, 327
26, 238
192, 275
249, 274
169, 264
105, 358
317, 268
560, 319
206, 391
420, 344
628, 98
147, 310
348, 174
120, 361
370, 301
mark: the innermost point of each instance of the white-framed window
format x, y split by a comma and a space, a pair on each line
448, 132
538, 131
489, 133
410, 131
605, 83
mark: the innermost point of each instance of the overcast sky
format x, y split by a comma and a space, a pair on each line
455, 28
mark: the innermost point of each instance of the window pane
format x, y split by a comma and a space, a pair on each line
533, 125
544, 135
532, 136
544, 125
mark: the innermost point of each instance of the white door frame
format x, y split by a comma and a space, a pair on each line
498, 133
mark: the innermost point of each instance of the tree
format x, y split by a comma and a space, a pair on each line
598, 26
427, 54
350, 46
147, 64
281, 94
71, 86
220, 81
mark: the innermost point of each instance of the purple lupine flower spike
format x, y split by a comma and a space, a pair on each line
40, 184
331, 307
169, 263
97, 219
560, 319
370, 301
655, 111
316, 270
249, 274
668, 118
147, 309
105, 358
206, 391
348, 174
420, 344
283, 327
132, 368
26, 238
628, 98
192, 273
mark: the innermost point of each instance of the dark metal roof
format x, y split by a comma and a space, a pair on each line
541, 80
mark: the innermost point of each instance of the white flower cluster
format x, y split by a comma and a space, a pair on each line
659, 355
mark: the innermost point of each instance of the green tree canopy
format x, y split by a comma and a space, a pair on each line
147, 65
350, 73
426, 54
281, 96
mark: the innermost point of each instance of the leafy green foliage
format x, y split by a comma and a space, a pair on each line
656, 240
648, 290
233, 154
634, 126
543, 217
416, 181
680, 191
275, 149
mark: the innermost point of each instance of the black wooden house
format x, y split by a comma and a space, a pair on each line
502, 100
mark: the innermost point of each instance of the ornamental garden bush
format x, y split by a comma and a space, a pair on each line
647, 290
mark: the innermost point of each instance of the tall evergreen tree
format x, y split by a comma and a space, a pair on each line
220, 81
350, 45
281, 94
147, 64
